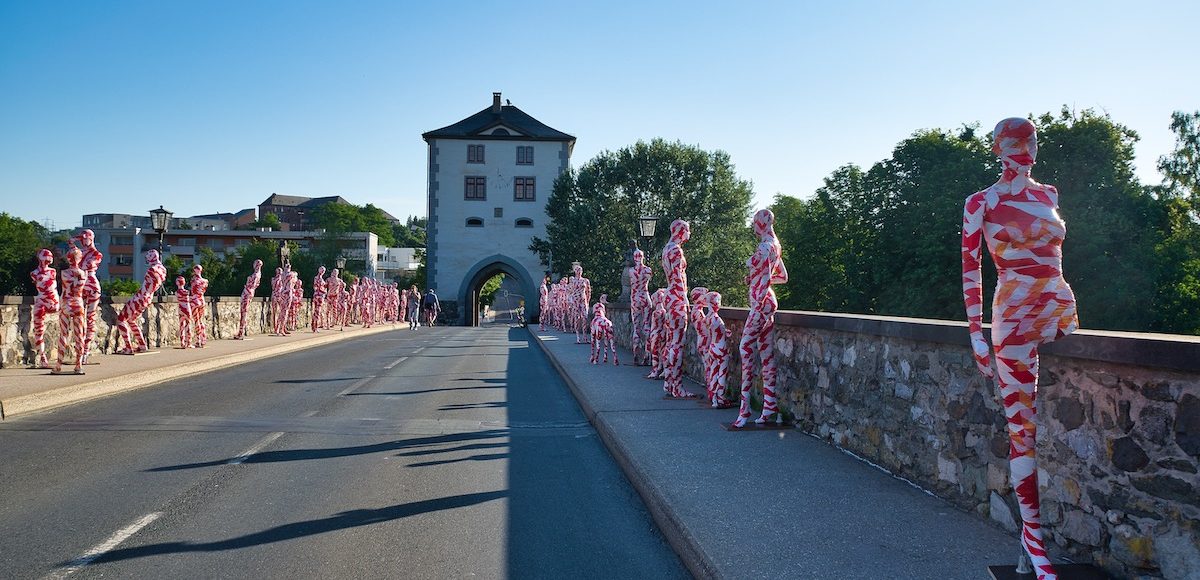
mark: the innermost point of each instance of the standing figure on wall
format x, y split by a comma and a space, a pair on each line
1033, 305
297, 298
543, 303
318, 299
90, 263
127, 320
45, 281
675, 303
639, 308
71, 321
656, 336
581, 296
699, 320
252, 282
758, 337
277, 302
717, 371
602, 333
183, 297
199, 308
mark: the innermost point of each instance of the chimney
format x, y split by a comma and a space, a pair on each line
496, 103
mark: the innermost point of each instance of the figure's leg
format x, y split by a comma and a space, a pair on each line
135, 327
721, 371
673, 365
595, 354
78, 329
39, 337
92, 306
123, 332
747, 348
613, 347
1017, 373
770, 373
64, 329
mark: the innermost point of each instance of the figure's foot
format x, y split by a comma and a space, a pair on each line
79, 371
125, 351
740, 422
615, 363
767, 418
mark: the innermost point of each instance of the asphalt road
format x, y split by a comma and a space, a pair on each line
437, 453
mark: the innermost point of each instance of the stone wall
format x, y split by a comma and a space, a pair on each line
1119, 439
160, 323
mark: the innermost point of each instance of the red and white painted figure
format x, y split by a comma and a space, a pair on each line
675, 303
334, 287
318, 299
199, 308
127, 321
716, 370
657, 335
295, 299
639, 308
252, 282
699, 321
71, 321
183, 297
45, 282
578, 301
278, 308
543, 304
90, 263
758, 336
602, 333
1033, 305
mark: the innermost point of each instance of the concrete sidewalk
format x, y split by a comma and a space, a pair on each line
24, 390
768, 504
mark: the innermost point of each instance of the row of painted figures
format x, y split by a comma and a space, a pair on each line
77, 298
1016, 217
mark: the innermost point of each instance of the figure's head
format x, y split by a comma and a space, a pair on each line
333, 273
278, 271
1015, 140
321, 270
639, 256
604, 299
714, 300
697, 294
152, 257
45, 257
197, 269
577, 268
74, 257
88, 237
258, 265
680, 231
764, 223
180, 282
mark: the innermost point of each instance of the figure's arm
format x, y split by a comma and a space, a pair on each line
972, 278
779, 273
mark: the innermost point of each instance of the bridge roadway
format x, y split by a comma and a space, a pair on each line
436, 453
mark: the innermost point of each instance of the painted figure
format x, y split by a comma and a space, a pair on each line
45, 282
183, 297
90, 263
199, 308
639, 308
675, 303
127, 320
699, 321
318, 298
543, 303
252, 282
580, 297
602, 333
277, 302
717, 369
296, 298
71, 321
1018, 219
657, 336
758, 336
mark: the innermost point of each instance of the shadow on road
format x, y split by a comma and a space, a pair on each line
341, 521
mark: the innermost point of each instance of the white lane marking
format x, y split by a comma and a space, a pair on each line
355, 385
104, 547
309, 413
418, 350
394, 363
255, 448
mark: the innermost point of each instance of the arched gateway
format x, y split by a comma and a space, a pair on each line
489, 177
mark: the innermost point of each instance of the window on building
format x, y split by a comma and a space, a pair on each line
474, 222
523, 189
524, 223
525, 155
122, 259
187, 241
122, 240
474, 153
499, 212
476, 188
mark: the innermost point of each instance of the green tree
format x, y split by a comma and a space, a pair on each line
19, 242
487, 292
341, 218
1177, 308
410, 234
269, 220
593, 214
120, 287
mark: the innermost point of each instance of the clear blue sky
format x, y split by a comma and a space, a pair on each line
208, 106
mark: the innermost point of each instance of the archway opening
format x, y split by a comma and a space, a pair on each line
493, 296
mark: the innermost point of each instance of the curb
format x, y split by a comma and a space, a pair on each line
136, 380
689, 551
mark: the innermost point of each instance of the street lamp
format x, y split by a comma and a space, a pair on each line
159, 219
646, 225
340, 262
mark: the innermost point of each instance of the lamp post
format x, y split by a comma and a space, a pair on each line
340, 262
646, 227
285, 253
159, 219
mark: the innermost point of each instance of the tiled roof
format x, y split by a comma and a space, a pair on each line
509, 116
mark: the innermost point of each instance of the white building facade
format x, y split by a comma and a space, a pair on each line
490, 176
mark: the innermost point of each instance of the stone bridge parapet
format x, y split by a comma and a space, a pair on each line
1119, 440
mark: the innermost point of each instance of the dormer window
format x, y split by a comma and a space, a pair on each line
501, 131
474, 153
474, 222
